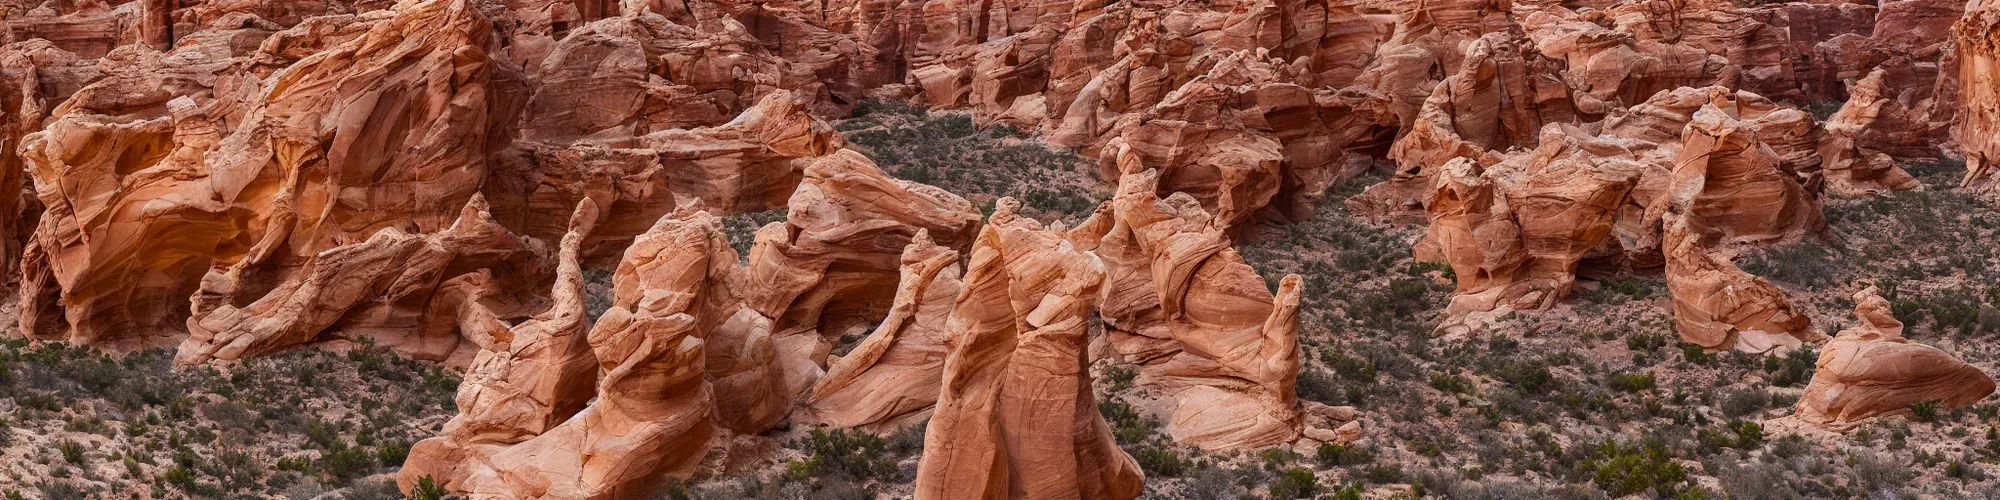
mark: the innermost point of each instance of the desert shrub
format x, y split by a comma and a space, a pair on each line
1736, 434
346, 464
1807, 263
1530, 376
742, 228
392, 454
428, 489
1879, 471
1794, 368
597, 292
1314, 385
72, 451
1337, 455
949, 151
908, 440
1629, 469
1295, 483
1127, 425
1744, 401
1451, 383
842, 453
1630, 382
1120, 377
1161, 461
1924, 411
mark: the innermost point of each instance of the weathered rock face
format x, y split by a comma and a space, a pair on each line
1870, 370
828, 271
1502, 94
1853, 169
1977, 127
523, 429
890, 379
35, 77
131, 219
1726, 187
1906, 40
749, 164
1515, 234
1652, 133
382, 286
1015, 418
1181, 304
1755, 55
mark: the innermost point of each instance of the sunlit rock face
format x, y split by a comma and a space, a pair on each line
559, 407
1726, 187
1872, 370
1015, 417
1199, 321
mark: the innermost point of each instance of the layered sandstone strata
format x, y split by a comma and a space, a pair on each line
1015, 418
1726, 187
1977, 127
1516, 234
524, 429
829, 270
1871, 370
890, 379
1184, 306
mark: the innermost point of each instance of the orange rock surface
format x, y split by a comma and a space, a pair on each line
1872, 370
1197, 319
524, 429
830, 269
1726, 187
1015, 417
890, 379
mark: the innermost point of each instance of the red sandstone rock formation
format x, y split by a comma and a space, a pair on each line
1726, 188
1198, 321
890, 379
1015, 418
523, 429
828, 271
1500, 97
132, 219
1852, 168
1516, 233
1871, 370
35, 77
1977, 127
749, 164
264, 174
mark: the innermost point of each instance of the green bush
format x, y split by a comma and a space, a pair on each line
1451, 383
1925, 411
346, 464
1335, 455
1623, 470
428, 489
392, 454
1295, 483
1745, 401
1738, 434
843, 453
72, 451
1160, 461
1120, 377
1127, 425
1794, 368
1630, 382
